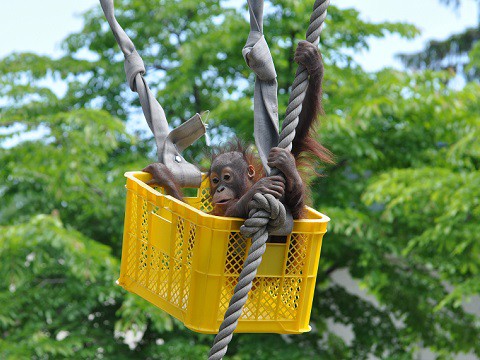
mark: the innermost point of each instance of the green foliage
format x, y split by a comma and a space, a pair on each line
55, 281
408, 226
473, 66
59, 299
445, 54
67, 169
403, 196
449, 54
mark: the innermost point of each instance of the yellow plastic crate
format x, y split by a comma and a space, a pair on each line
187, 263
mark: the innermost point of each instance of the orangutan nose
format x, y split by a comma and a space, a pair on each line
220, 189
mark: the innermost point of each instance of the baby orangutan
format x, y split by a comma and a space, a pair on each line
235, 176
235, 179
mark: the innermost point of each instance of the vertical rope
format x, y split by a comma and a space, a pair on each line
300, 84
260, 216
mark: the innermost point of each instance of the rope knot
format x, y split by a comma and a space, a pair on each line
258, 57
264, 210
133, 65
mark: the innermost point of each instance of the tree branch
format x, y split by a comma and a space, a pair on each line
196, 96
51, 282
95, 189
331, 269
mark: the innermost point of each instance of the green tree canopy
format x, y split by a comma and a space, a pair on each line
457, 53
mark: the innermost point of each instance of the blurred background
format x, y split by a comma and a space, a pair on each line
399, 276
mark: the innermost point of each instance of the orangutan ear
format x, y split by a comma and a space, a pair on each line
251, 172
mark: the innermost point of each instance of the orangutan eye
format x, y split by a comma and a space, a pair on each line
226, 177
215, 180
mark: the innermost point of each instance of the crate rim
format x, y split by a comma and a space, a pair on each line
131, 175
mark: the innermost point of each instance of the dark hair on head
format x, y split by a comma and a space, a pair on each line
233, 145
237, 145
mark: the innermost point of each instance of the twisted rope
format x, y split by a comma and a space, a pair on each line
264, 207
300, 84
